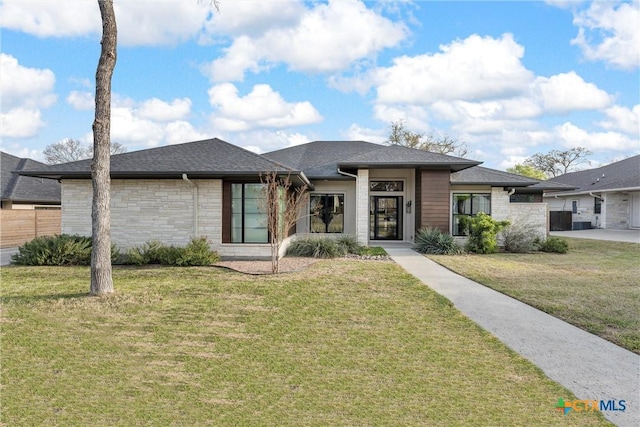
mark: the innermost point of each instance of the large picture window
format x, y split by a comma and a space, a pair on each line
248, 223
327, 213
467, 205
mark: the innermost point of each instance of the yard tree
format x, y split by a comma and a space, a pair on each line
70, 150
282, 204
101, 278
527, 170
400, 135
557, 162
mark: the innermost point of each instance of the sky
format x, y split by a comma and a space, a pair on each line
508, 78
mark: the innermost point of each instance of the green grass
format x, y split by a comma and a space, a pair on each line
341, 343
594, 286
372, 251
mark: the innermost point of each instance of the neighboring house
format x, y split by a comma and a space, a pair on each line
604, 197
30, 206
212, 188
25, 192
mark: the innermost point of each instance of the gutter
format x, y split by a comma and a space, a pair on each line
195, 203
341, 172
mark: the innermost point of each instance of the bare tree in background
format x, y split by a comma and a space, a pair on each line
400, 135
282, 204
71, 150
556, 162
101, 279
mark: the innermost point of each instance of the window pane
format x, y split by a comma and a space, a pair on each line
236, 235
481, 203
255, 235
253, 206
236, 191
255, 221
462, 203
386, 185
327, 213
253, 191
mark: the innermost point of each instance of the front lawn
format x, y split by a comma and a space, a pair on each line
341, 343
595, 286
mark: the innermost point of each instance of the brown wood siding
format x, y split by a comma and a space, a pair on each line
417, 208
21, 225
435, 190
226, 211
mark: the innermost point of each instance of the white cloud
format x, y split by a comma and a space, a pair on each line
51, 19
141, 22
264, 140
181, 131
623, 119
609, 31
253, 18
24, 92
261, 108
572, 136
81, 100
471, 69
358, 133
567, 92
158, 110
25, 87
329, 37
20, 123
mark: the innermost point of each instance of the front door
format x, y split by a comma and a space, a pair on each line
385, 219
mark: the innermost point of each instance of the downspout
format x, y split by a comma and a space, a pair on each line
195, 203
511, 191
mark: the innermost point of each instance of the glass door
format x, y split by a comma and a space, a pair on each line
385, 219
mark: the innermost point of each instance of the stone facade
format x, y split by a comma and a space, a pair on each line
154, 209
362, 206
532, 214
617, 209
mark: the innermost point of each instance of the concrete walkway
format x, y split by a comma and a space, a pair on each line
5, 255
631, 235
589, 366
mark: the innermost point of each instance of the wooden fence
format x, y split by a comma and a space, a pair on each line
18, 226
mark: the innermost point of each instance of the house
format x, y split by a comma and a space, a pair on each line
604, 197
25, 192
212, 188
30, 206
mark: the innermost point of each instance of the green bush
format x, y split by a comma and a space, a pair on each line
315, 247
555, 244
483, 233
520, 238
196, 252
61, 249
349, 244
433, 241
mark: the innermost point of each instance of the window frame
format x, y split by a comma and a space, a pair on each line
325, 196
455, 223
243, 214
597, 205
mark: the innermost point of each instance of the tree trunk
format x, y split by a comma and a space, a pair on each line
101, 280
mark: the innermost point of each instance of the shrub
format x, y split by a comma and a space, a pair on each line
315, 247
349, 244
483, 233
433, 241
61, 249
196, 252
555, 244
520, 238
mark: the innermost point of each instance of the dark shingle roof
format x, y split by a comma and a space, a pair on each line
482, 175
624, 174
321, 159
26, 189
200, 159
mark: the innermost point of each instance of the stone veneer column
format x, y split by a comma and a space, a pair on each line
362, 206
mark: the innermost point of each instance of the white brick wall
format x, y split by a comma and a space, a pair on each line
499, 204
533, 214
362, 206
163, 209
617, 208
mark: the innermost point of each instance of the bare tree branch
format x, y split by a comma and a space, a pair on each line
400, 135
